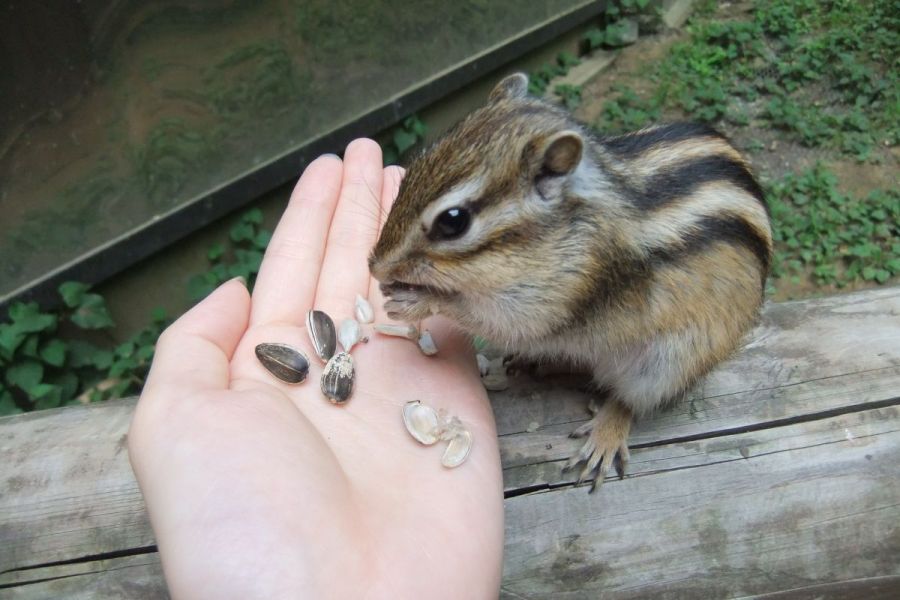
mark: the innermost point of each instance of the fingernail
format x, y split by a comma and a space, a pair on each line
240, 278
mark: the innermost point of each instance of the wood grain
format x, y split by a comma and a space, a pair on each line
776, 478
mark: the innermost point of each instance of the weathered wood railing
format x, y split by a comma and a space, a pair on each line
779, 477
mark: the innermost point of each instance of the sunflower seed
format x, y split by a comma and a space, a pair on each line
364, 312
426, 344
337, 378
284, 362
349, 333
457, 450
409, 332
421, 422
484, 364
321, 331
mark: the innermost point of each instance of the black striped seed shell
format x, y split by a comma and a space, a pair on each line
322, 333
284, 362
337, 378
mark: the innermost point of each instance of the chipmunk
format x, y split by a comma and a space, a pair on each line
642, 257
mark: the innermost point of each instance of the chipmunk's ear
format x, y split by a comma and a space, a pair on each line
562, 153
511, 86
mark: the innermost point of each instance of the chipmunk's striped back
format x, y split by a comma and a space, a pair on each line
691, 189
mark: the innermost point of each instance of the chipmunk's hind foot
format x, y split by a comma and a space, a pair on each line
606, 444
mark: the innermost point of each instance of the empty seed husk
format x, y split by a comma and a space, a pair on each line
410, 332
284, 362
457, 450
349, 333
337, 378
364, 312
421, 422
426, 344
484, 364
321, 331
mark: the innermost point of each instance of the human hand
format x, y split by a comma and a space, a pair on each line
259, 489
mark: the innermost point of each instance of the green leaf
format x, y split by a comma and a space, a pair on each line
46, 395
68, 383
389, 155
243, 231
262, 239
404, 140
25, 375
254, 216
73, 292
215, 252
85, 354
54, 352
28, 318
7, 403
159, 315
10, 338
92, 313
30, 347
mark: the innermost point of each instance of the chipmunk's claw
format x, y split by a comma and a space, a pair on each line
606, 445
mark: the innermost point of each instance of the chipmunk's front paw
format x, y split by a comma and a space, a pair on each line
606, 444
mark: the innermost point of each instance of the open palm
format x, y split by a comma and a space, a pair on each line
259, 489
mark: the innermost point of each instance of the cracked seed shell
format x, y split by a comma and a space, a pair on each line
421, 422
337, 378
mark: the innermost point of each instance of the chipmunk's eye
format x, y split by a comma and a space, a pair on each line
450, 224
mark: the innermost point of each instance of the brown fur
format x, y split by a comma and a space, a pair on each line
573, 253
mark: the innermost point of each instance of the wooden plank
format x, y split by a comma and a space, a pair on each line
816, 503
67, 492
132, 577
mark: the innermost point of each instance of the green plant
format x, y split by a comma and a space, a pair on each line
825, 75
831, 237
628, 111
42, 369
45, 368
570, 95
406, 135
241, 258
540, 78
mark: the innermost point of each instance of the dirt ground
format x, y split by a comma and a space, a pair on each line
773, 154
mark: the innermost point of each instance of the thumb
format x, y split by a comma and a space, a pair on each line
193, 353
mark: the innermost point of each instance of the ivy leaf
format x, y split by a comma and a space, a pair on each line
7, 403
25, 375
404, 140
253, 216
200, 286
68, 385
262, 239
390, 156
28, 318
46, 395
54, 352
241, 232
92, 313
83, 354
73, 292
215, 252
